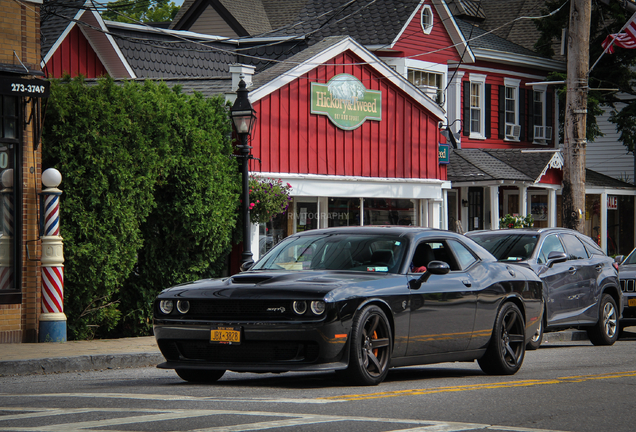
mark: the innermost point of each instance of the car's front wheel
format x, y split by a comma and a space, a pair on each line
370, 352
199, 375
507, 348
605, 332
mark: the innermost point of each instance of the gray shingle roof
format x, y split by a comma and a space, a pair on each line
479, 38
158, 55
55, 17
596, 179
497, 164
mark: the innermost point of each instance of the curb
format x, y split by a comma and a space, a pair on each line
82, 363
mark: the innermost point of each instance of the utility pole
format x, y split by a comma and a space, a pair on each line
576, 115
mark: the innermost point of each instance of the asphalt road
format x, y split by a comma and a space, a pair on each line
573, 386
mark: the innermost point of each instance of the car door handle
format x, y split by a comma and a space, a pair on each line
466, 282
599, 268
572, 270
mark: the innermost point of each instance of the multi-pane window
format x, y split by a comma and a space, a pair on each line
542, 131
430, 83
511, 105
475, 107
8, 117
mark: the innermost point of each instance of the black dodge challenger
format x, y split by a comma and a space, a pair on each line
356, 300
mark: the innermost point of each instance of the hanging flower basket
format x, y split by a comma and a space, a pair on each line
268, 198
509, 221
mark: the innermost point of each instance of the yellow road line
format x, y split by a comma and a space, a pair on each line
495, 385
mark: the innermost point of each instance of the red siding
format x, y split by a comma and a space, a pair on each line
75, 56
289, 139
496, 80
417, 45
552, 176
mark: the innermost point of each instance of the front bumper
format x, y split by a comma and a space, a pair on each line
264, 347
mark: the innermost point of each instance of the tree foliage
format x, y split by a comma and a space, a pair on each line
613, 71
146, 171
133, 11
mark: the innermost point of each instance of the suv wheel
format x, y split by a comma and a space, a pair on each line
606, 330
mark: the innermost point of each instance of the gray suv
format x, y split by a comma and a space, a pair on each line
627, 277
581, 287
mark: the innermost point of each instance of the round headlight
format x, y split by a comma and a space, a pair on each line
300, 307
318, 307
183, 306
165, 306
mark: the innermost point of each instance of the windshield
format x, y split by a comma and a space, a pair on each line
631, 259
365, 253
508, 247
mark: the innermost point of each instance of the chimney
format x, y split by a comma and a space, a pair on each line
239, 71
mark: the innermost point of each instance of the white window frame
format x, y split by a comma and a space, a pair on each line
542, 90
513, 84
480, 81
426, 19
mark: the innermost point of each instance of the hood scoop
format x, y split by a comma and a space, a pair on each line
250, 279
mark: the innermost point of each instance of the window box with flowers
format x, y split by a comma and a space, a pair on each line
268, 198
510, 221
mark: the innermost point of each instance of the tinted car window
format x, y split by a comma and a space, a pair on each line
464, 256
550, 244
574, 246
508, 247
592, 248
373, 253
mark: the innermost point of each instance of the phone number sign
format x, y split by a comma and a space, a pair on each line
24, 87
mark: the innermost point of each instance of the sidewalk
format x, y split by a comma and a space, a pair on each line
75, 356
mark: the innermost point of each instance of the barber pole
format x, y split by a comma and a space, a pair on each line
6, 240
52, 318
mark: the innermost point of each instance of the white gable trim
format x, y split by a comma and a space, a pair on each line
556, 162
59, 40
348, 44
463, 49
102, 43
399, 35
445, 16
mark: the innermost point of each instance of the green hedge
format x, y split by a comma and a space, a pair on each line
150, 196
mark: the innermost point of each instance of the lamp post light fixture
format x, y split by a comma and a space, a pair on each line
244, 118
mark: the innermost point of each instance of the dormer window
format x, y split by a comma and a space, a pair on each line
427, 19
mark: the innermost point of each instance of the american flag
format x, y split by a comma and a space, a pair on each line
623, 40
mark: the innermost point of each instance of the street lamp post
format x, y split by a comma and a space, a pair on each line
244, 118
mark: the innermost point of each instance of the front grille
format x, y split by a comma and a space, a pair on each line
240, 309
628, 285
246, 352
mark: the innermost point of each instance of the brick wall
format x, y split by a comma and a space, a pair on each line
20, 24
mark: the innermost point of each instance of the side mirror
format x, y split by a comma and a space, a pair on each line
618, 259
556, 257
246, 266
433, 268
437, 268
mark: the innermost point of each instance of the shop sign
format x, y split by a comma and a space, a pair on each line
443, 153
612, 202
346, 101
24, 87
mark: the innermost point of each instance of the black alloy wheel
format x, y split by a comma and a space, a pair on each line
606, 330
370, 352
199, 375
507, 348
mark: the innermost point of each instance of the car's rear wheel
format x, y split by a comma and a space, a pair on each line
535, 342
370, 352
199, 375
606, 330
507, 348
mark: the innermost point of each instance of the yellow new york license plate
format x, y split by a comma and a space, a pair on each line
226, 335
631, 302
